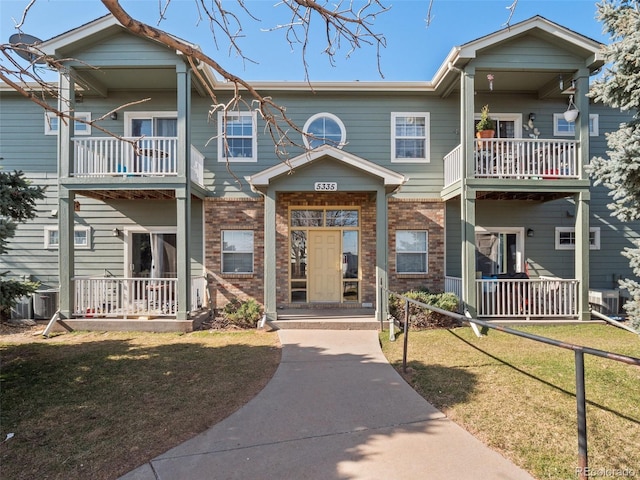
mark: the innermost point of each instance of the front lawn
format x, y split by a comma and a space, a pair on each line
97, 405
518, 396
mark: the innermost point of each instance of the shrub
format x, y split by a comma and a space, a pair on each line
242, 313
421, 317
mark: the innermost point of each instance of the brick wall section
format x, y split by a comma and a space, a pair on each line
239, 214
427, 215
314, 199
233, 214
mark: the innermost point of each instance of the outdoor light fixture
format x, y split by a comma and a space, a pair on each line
532, 116
561, 83
113, 116
115, 232
530, 232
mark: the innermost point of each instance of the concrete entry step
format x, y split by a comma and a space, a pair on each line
325, 319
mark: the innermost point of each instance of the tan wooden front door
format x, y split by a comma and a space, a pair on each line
324, 273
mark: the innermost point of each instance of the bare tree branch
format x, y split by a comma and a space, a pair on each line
342, 23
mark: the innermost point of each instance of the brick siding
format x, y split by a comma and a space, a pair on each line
418, 215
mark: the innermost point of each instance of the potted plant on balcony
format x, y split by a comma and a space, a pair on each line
486, 127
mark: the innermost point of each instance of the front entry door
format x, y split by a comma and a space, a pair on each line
324, 273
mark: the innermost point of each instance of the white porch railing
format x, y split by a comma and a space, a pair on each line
546, 297
107, 156
526, 298
197, 166
518, 158
453, 285
132, 297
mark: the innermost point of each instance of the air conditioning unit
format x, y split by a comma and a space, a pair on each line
605, 301
23, 309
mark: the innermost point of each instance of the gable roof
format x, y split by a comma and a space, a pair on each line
390, 179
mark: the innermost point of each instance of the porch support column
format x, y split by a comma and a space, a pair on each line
183, 195
468, 195
66, 255
582, 199
269, 255
582, 122
582, 253
183, 252
382, 256
468, 199
66, 200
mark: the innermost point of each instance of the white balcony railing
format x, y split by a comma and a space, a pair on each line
107, 156
517, 158
546, 297
133, 297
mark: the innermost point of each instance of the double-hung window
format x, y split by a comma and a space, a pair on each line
237, 139
411, 251
237, 251
410, 137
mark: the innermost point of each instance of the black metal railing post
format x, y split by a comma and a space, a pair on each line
406, 336
581, 403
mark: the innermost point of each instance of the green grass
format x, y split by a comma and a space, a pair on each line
518, 396
97, 405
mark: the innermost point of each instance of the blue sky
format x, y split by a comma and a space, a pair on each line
413, 52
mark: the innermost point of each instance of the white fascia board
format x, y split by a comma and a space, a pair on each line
78, 34
342, 86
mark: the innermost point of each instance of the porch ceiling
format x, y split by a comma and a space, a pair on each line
105, 195
531, 196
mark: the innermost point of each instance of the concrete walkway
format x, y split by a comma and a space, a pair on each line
335, 409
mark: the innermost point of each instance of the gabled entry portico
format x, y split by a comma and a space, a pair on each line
327, 256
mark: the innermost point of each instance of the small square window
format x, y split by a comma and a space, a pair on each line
411, 251
237, 139
410, 137
52, 123
81, 237
566, 238
237, 251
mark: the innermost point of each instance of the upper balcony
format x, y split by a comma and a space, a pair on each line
528, 162
145, 159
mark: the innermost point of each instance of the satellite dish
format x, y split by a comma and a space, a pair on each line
23, 41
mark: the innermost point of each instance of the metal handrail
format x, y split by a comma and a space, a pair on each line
578, 350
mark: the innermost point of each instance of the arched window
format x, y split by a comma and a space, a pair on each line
324, 128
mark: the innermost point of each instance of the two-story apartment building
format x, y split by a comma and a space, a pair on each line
393, 189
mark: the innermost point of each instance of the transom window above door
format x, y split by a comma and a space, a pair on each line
324, 218
324, 129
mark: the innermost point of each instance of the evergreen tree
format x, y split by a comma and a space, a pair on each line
619, 87
17, 204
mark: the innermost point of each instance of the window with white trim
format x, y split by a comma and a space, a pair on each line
566, 238
324, 129
237, 137
410, 137
237, 251
411, 251
562, 128
52, 123
81, 237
